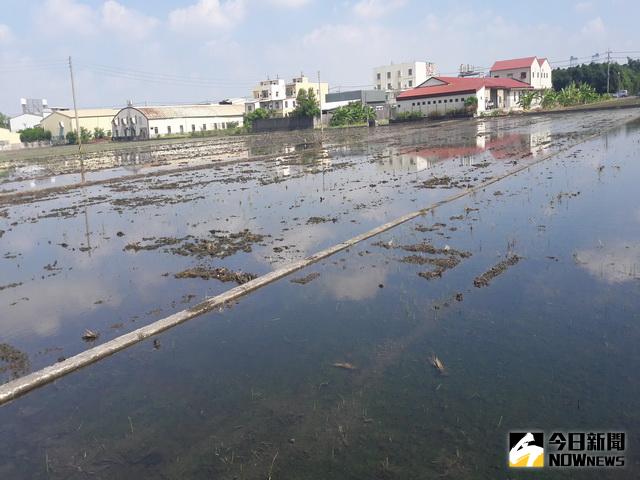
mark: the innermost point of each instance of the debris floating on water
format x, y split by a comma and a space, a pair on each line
90, 335
344, 365
437, 364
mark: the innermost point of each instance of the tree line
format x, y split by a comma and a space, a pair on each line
621, 77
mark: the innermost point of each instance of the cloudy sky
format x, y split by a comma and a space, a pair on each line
169, 51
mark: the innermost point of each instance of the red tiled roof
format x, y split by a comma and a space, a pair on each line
459, 85
541, 61
511, 64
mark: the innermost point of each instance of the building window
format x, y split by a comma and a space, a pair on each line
411, 83
193, 128
204, 127
156, 130
181, 128
509, 75
429, 102
523, 75
169, 129
413, 104
378, 76
439, 101
388, 86
411, 71
424, 103
388, 74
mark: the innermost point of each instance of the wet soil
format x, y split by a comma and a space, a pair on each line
498, 269
219, 273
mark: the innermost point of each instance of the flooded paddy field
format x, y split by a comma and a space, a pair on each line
410, 355
127, 247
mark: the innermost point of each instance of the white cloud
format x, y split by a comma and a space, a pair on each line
594, 26
5, 33
582, 7
376, 8
61, 17
117, 17
222, 14
290, 3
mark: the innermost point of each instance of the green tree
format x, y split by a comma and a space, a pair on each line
72, 138
306, 104
527, 99
257, 114
98, 133
85, 135
35, 134
4, 120
352, 114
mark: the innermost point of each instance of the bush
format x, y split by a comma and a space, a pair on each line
98, 133
35, 134
409, 116
72, 138
352, 114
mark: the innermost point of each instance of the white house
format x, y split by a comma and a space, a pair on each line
441, 95
135, 123
398, 77
24, 121
532, 70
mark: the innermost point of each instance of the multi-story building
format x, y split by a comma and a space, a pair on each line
33, 111
532, 70
398, 77
279, 97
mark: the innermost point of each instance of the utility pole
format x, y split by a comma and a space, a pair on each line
75, 107
320, 103
608, 67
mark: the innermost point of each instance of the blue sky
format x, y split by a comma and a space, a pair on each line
212, 49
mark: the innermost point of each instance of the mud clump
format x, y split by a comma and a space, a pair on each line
425, 247
306, 279
220, 273
222, 245
13, 361
484, 279
435, 182
316, 220
154, 243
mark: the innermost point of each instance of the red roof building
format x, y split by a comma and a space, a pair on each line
441, 95
532, 70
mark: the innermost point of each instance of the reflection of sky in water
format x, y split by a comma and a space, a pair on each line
108, 286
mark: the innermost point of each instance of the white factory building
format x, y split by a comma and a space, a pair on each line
135, 123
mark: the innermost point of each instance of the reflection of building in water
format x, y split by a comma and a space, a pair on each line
313, 162
470, 151
133, 161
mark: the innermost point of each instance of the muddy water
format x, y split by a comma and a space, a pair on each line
111, 254
548, 342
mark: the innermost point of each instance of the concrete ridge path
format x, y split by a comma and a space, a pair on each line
19, 387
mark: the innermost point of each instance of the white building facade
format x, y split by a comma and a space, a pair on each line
532, 70
138, 123
439, 96
398, 77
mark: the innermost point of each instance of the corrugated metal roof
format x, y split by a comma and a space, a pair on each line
190, 111
89, 112
458, 85
511, 64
